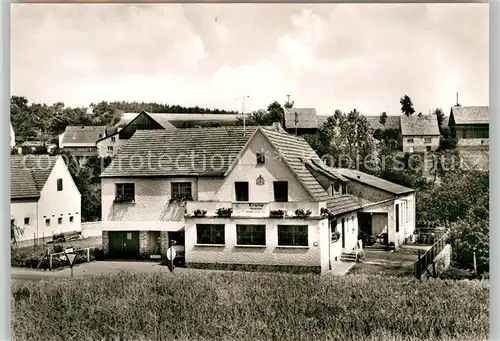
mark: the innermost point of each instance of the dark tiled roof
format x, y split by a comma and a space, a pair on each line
306, 117
342, 204
392, 122
471, 115
296, 151
83, 135
328, 171
187, 152
29, 173
374, 181
419, 125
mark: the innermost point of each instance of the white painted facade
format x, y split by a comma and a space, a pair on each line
413, 144
12, 137
54, 212
110, 145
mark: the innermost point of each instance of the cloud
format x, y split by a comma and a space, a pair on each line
328, 56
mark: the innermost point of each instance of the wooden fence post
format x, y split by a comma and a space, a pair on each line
419, 266
88, 255
50, 262
434, 269
475, 266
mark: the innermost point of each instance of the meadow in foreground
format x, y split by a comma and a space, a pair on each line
249, 306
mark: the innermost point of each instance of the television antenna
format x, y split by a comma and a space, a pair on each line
243, 98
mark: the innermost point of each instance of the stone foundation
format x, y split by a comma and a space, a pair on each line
105, 243
256, 268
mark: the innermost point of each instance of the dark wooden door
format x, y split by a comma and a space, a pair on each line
124, 245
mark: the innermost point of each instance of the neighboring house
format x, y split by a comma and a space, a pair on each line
156, 183
470, 125
391, 122
44, 200
80, 141
112, 142
386, 207
12, 137
420, 133
301, 120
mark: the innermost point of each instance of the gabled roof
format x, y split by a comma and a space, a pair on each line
182, 152
83, 134
340, 204
29, 173
391, 122
306, 118
419, 125
327, 171
163, 120
296, 152
374, 181
470, 115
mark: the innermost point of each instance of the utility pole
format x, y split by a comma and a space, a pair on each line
457, 100
242, 98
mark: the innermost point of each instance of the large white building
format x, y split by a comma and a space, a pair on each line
233, 197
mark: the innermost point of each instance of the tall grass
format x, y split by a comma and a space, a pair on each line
249, 306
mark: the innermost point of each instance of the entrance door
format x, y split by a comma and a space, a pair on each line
343, 233
154, 244
124, 245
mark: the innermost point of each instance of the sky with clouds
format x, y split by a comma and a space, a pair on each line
326, 56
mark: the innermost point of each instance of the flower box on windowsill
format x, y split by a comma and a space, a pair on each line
335, 236
199, 213
180, 199
124, 200
224, 212
277, 214
300, 213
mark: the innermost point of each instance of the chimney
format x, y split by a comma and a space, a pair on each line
277, 126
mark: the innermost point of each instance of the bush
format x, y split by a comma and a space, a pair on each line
249, 306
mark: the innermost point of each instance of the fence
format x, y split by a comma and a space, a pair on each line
429, 235
84, 255
424, 262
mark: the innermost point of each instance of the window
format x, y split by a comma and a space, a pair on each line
113, 138
210, 234
125, 192
344, 188
59, 185
251, 234
427, 139
292, 235
59, 220
280, 191
26, 221
47, 222
71, 219
110, 148
409, 140
261, 158
428, 148
181, 190
241, 191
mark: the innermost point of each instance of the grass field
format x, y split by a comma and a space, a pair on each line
249, 306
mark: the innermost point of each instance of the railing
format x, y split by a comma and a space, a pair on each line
423, 263
429, 235
252, 209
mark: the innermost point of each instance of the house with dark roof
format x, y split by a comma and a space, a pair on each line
420, 133
387, 212
470, 125
110, 144
229, 196
44, 200
80, 141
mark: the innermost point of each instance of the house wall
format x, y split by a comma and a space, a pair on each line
271, 254
20, 209
274, 169
419, 144
472, 131
102, 146
406, 221
370, 193
152, 196
63, 204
